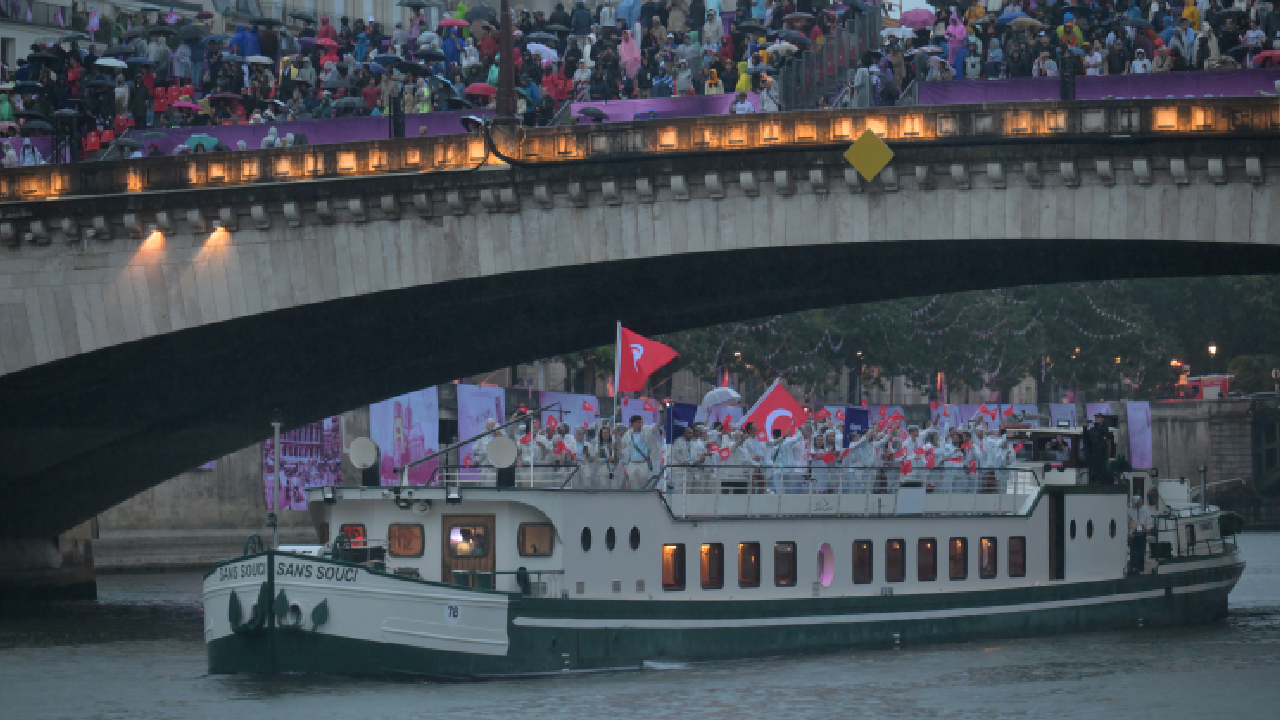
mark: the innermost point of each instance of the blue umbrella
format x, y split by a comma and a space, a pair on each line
1007, 18
387, 60
140, 61
219, 38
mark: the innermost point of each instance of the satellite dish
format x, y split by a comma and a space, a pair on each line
363, 452
501, 452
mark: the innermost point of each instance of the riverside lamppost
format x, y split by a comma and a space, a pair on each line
1213, 352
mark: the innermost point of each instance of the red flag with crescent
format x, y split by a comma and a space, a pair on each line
906, 467
840, 416
526, 439
649, 406
724, 454
776, 410
823, 414
587, 406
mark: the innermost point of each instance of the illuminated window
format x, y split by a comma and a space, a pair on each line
926, 559
987, 558
958, 558
536, 539
749, 565
468, 541
1017, 557
353, 532
863, 572
895, 560
405, 540
826, 564
712, 566
346, 162
673, 567
784, 564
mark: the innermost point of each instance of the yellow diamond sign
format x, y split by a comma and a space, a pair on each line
868, 155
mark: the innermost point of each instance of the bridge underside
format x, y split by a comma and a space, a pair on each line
81, 434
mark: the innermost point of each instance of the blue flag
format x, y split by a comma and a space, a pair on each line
679, 416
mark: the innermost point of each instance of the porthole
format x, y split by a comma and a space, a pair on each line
586, 536
635, 538
1113, 527
610, 539
1088, 528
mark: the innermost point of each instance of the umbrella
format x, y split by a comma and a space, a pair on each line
151, 135
543, 37
377, 69
413, 68
43, 57
759, 69
930, 49
793, 36
226, 96
327, 42
144, 62
898, 32
543, 52
265, 22
139, 31
201, 139
556, 27
349, 102
65, 113
128, 143
387, 60
430, 54
118, 50
720, 396
1138, 23
102, 82
186, 106
1266, 59
483, 12
782, 48
481, 89
74, 37
36, 126
111, 63
204, 15
1025, 23
453, 22
415, 4
28, 86
750, 27
29, 115
259, 60
303, 16
162, 30
918, 19
192, 32
1007, 18
459, 104
228, 57
1229, 11
338, 85
797, 16
219, 38
596, 114
150, 8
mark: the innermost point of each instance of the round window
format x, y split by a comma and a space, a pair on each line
1088, 529
1073, 534
610, 539
586, 537
635, 538
1113, 527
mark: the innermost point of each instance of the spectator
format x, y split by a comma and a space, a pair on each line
1045, 66
1140, 65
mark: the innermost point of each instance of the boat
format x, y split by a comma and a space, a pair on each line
506, 571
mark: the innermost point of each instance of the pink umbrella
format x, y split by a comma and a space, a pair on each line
918, 19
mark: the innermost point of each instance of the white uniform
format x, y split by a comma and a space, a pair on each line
646, 461
680, 458
794, 456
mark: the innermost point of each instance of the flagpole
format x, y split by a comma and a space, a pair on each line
617, 370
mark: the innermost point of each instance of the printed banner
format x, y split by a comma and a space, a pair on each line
1139, 417
576, 409
211, 465
310, 456
407, 428
645, 408
855, 421
1093, 408
477, 405
680, 416
1022, 412
1063, 411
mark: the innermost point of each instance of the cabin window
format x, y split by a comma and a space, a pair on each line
673, 567
958, 558
987, 558
784, 564
586, 539
926, 559
895, 560
536, 539
826, 564
1112, 528
862, 563
405, 540
354, 532
712, 566
610, 539
749, 564
468, 541
1017, 557
1088, 528
635, 538
1073, 529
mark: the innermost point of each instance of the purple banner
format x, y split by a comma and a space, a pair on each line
406, 428
671, 107
1093, 408
1063, 411
477, 405
1139, 417
1215, 83
575, 409
648, 410
310, 456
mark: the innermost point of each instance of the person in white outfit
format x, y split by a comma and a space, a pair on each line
639, 453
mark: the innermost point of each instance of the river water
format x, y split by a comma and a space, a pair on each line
137, 654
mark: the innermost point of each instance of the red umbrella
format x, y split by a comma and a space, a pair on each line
1266, 59
481, 89
454, 22
917, 19
327, 42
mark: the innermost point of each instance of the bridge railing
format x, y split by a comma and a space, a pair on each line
822, 71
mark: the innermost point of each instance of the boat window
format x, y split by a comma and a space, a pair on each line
958, 558
987, 558
354, 532
926, 559
673, 567
1113, 527
635, 538
586, 539
1088, 528
749, 564
405, 540
862, 569
536, 539
895, 560
712, 566
784, 564
610, 539
1017, 557
826, 564
468, 541
1073, 529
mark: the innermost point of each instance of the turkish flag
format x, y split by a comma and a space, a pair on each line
587, 406
713, 447
552, 421
899, 454
559, 448
466, 461
762, 436
906, 467
526, 439
1008, 411
823, 414
724, 454
649, 406
928, 459
840, 415
828, 457
864, 403
638, 358
973, 466
776, 410
933, 405
965, 446
844, 453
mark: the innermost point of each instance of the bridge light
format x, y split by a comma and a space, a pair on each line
1175, 363
1213, 350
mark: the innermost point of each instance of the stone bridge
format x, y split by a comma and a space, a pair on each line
154, 311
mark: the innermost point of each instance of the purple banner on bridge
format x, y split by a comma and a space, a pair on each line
1212, 83
310, 456
671, 107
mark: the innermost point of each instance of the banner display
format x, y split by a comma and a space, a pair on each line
211, 465
407, 428
855, 421
952, 415
679, 416
477, 405
310, 456
576, 409
1029, 412
1063, 411
1139, 417
645, 408
1093, 408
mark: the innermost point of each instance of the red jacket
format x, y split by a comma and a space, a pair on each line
327, 31
557, 85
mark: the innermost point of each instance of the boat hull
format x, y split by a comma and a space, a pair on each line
383, 625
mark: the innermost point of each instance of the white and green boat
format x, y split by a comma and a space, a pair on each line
476, 579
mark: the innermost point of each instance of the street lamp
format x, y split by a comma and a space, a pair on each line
272, 518
1213, 352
